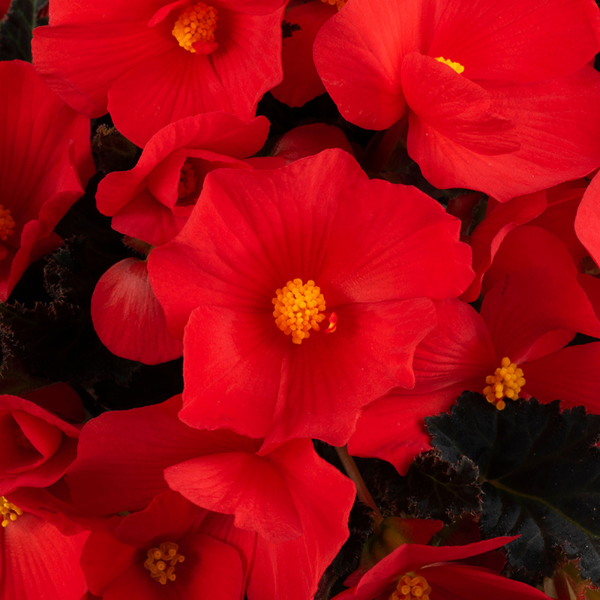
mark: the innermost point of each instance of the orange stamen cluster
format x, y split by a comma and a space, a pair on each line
453, 65
298, 309
187, 181
411, 588
9, 511
7, 223
339, 4
195, 23
506, 382
161, 562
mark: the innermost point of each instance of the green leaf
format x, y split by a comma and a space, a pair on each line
540, 474
16, 29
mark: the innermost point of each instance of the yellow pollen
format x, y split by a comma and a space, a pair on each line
453, 65
506, 382
411, 588
9, 511
161, 562
187, 181
7, 223
195, 23
339, 4
298, 309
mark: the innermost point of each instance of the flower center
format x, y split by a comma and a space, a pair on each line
7, 223
187, 181
506, 382
161, 562
298, 309
411, 588
453, 65
339, 4
9, 511
196, 23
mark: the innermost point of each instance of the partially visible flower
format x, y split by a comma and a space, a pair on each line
36, 559
36, 446
161, 553
46, 162
413, 571
137, 61
491, 103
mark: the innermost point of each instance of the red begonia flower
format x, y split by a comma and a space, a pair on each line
367, 256
161, 554
131, 59
528, 317
36, 559
289, 508
46, 161
307, 140
492, 104
36, 446
433, 570
301, 82
153, 200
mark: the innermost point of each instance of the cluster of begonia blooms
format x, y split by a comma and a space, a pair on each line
312, 295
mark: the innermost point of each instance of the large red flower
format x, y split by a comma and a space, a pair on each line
261, 250
286, 510
46, 162
499, 96
133, 58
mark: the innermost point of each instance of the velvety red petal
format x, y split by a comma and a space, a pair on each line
455, 107
570, 375
39, 562
528, 304
528, 247
108, 11
403, 246
587, 221
63, 54
241, 484
490, 233
301, 82
358, 54
516, 41
392, 428
113, 471
557, 125
128, 318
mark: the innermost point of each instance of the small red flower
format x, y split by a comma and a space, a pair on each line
139, 61
414, 572
46, 162
261, 267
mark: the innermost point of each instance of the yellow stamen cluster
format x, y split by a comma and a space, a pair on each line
7, 223
453, 65
506, 382
195, 23
298, 309
161, 562
411, 588
339, 4
187, 181
9, 511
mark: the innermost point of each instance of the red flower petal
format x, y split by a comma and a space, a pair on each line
128, 318
587, 221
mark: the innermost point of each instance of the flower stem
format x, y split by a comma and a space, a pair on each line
361, 489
